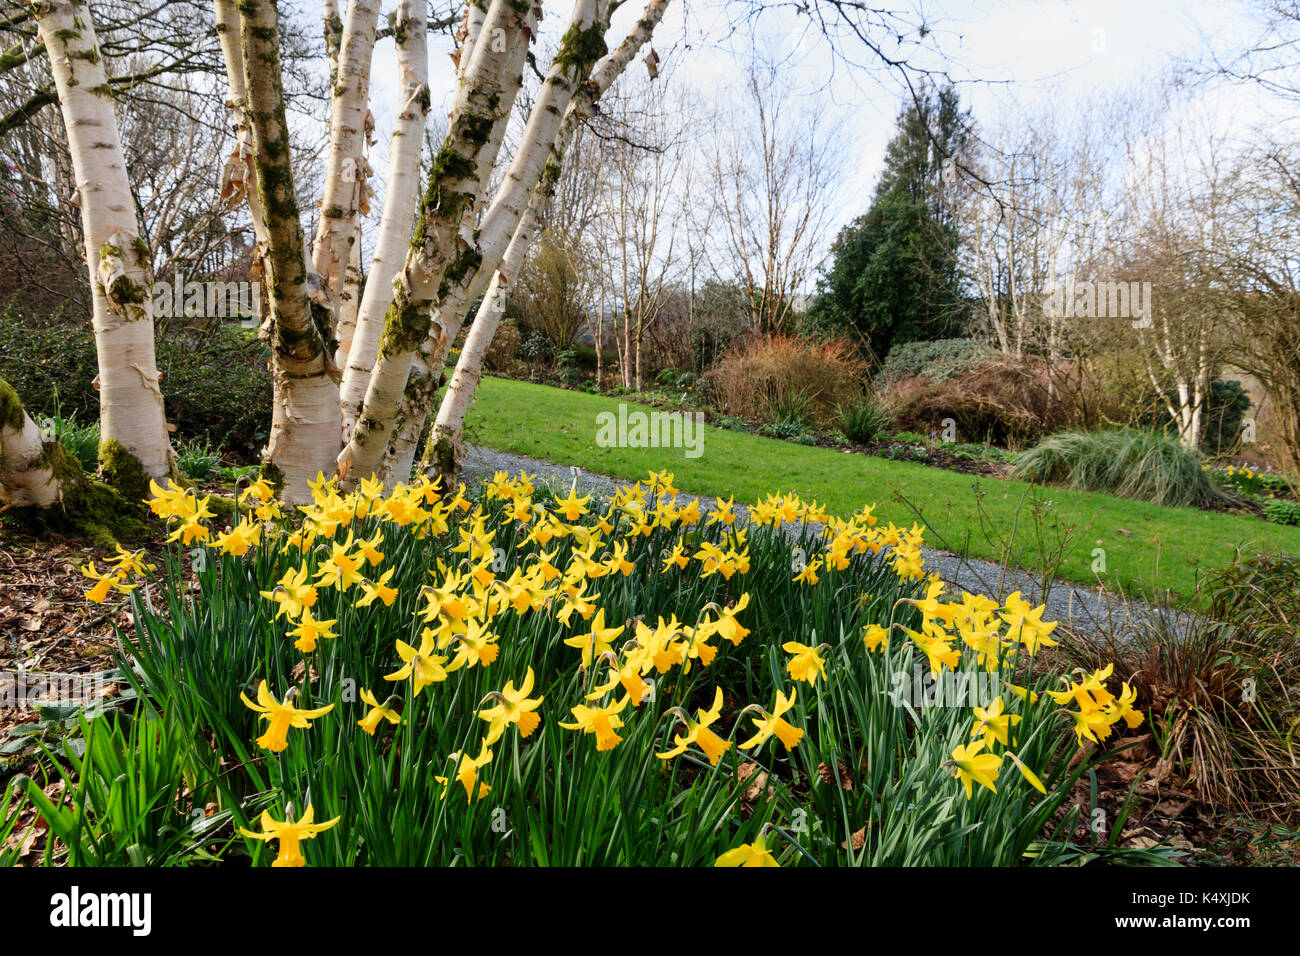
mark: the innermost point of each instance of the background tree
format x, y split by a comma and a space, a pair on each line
774, 176
893, 275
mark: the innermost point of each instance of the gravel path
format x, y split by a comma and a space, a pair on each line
1082, 610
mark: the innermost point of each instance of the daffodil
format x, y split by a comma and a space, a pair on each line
239, 539
342, 568
423, 666
971, 766
698, 733
104, 583
476, 646
876, 637
675, 558
806, 664
727, 626
369, 548
281, 716
467, 769
601, 721
377, 712
309, 631
1025, 623
289, 834
597, 641
572, 507
513, 707
774, 723
292, 593
377, 591
749, 854
130, 562
994, 724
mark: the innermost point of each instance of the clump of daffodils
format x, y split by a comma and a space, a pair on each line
338, 555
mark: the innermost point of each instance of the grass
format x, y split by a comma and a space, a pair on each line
1123, 461
1148, 548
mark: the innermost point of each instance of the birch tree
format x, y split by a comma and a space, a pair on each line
446, 249
357, 357
773, 177
582, 44
459, 240
445, 451
338, 233
305, 416
133, 430
642, 173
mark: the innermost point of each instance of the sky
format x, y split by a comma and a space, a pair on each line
1004, 55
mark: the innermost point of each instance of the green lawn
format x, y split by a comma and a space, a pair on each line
1162, 549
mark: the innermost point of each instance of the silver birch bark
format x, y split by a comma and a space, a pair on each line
132, 422
27, 473
400, 206
443, 249
469, 367
345, 164
305, 417
581, 47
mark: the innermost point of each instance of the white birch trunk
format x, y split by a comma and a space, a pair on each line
582, 45
27, 475
349, 304
345, 164
237, 178
131, 415
304, 436
444, 247
447, 429
400, 207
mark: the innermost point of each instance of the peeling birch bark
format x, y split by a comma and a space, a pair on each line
357, 358
445, 449
305, 416
345, 164
133, 427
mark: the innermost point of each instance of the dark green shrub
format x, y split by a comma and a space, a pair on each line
864, 421
1281, 511
708, 345
1227, 406
1148, 466
536, 347
568, 366
217, 388
215, 381
937, 359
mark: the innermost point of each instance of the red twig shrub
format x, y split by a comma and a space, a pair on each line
761, 376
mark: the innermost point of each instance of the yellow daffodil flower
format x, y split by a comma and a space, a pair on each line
281, 716
289, 835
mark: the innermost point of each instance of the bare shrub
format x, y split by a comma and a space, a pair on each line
760, 375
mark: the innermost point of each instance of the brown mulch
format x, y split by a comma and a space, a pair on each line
46, 623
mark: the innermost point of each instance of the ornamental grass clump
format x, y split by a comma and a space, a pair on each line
522, 678
1144, 465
